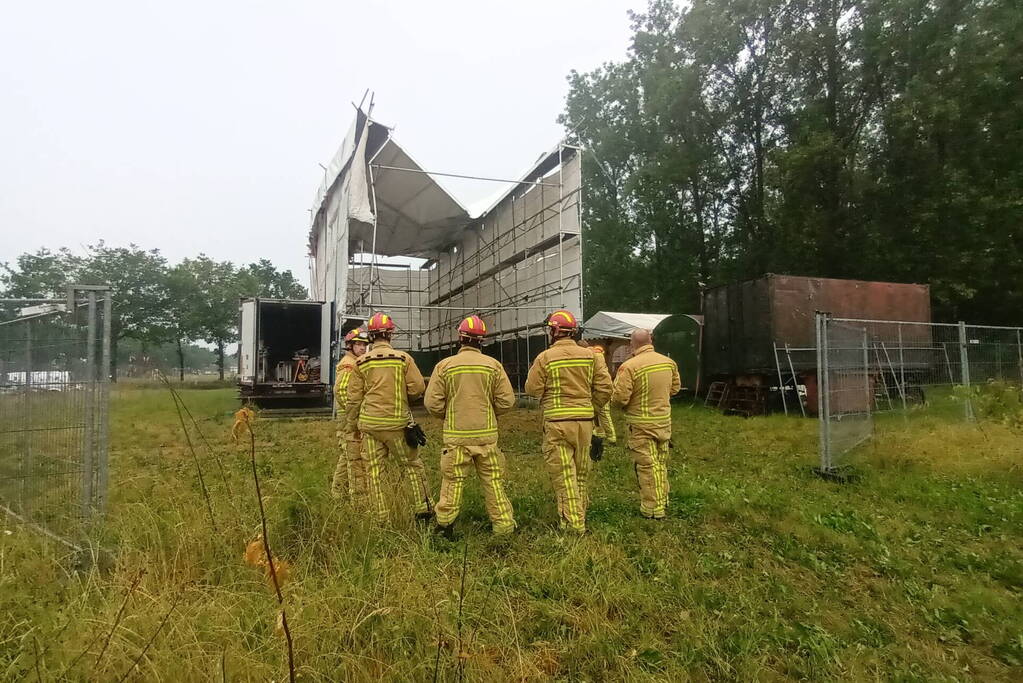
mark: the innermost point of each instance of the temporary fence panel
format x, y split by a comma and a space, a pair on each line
54, 416
904, 366
844, 397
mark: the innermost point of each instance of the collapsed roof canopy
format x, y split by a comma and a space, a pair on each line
415, 215
621, 325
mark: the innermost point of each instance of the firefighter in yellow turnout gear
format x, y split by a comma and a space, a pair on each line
570, 383
644, 386
350, 474
378, 402
468, 390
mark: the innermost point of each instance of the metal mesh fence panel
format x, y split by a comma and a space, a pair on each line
845, 392
905, 366
54, 422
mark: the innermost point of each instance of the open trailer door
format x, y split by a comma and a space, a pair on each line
247, 356
326, 336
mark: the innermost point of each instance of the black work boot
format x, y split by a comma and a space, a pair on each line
424, 516
447, 532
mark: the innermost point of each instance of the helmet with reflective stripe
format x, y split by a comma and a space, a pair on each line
380, 322
356, 335
473, 326
562, 320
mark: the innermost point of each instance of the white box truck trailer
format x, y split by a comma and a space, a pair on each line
284, 353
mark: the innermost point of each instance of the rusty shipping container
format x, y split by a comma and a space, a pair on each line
744, 320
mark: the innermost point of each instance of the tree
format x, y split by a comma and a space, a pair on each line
138, 278
263, 279
216, 312
873, 139
185, 303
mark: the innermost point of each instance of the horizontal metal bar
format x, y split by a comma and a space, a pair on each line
467, 308
35, 527
33, 301
459, 175
41, 429
995, 327
891, 322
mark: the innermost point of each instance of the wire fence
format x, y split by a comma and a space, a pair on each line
54, 418
871, 367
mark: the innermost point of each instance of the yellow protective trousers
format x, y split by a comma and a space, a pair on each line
376, 447
650, 458
566, 450
350, 473
456, 461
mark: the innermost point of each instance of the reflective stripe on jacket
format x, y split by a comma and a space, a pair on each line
644, 386
342, 378
469, 390
380, 387
569, 380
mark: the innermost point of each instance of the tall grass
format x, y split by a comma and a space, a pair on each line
763, 571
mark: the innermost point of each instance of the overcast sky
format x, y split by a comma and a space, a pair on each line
198, 126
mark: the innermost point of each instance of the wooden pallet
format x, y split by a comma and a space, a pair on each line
746, 401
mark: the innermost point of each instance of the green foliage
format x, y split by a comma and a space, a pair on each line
1001, 402
843, 138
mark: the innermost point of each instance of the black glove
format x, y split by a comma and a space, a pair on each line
596, 448
415, 436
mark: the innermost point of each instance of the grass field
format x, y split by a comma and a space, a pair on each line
763, 571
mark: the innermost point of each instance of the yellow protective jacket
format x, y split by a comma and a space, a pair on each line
570, 381
469, 390
342, 377
644, 386
380, 387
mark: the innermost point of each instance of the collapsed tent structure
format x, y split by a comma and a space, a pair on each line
512, 264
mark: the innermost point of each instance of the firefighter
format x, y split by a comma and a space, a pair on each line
468, 391
350, 473
570, 384
605, 427
383, 382
644, 386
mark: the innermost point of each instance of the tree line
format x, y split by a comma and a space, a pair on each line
869, 139
155, 303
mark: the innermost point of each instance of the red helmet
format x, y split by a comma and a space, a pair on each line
473, 326
380, 322
356, 335
562, 320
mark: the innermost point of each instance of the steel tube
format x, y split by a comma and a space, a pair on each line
460, 175
964, 359
90, 408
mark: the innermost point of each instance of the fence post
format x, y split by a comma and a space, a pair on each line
26, 458
866, 373
902, 370
822, 390
90, 407
1019, 357
964, 360
104, 405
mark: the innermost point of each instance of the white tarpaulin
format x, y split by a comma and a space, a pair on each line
620, 325
415, 215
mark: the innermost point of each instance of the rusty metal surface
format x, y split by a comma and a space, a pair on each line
745, 319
